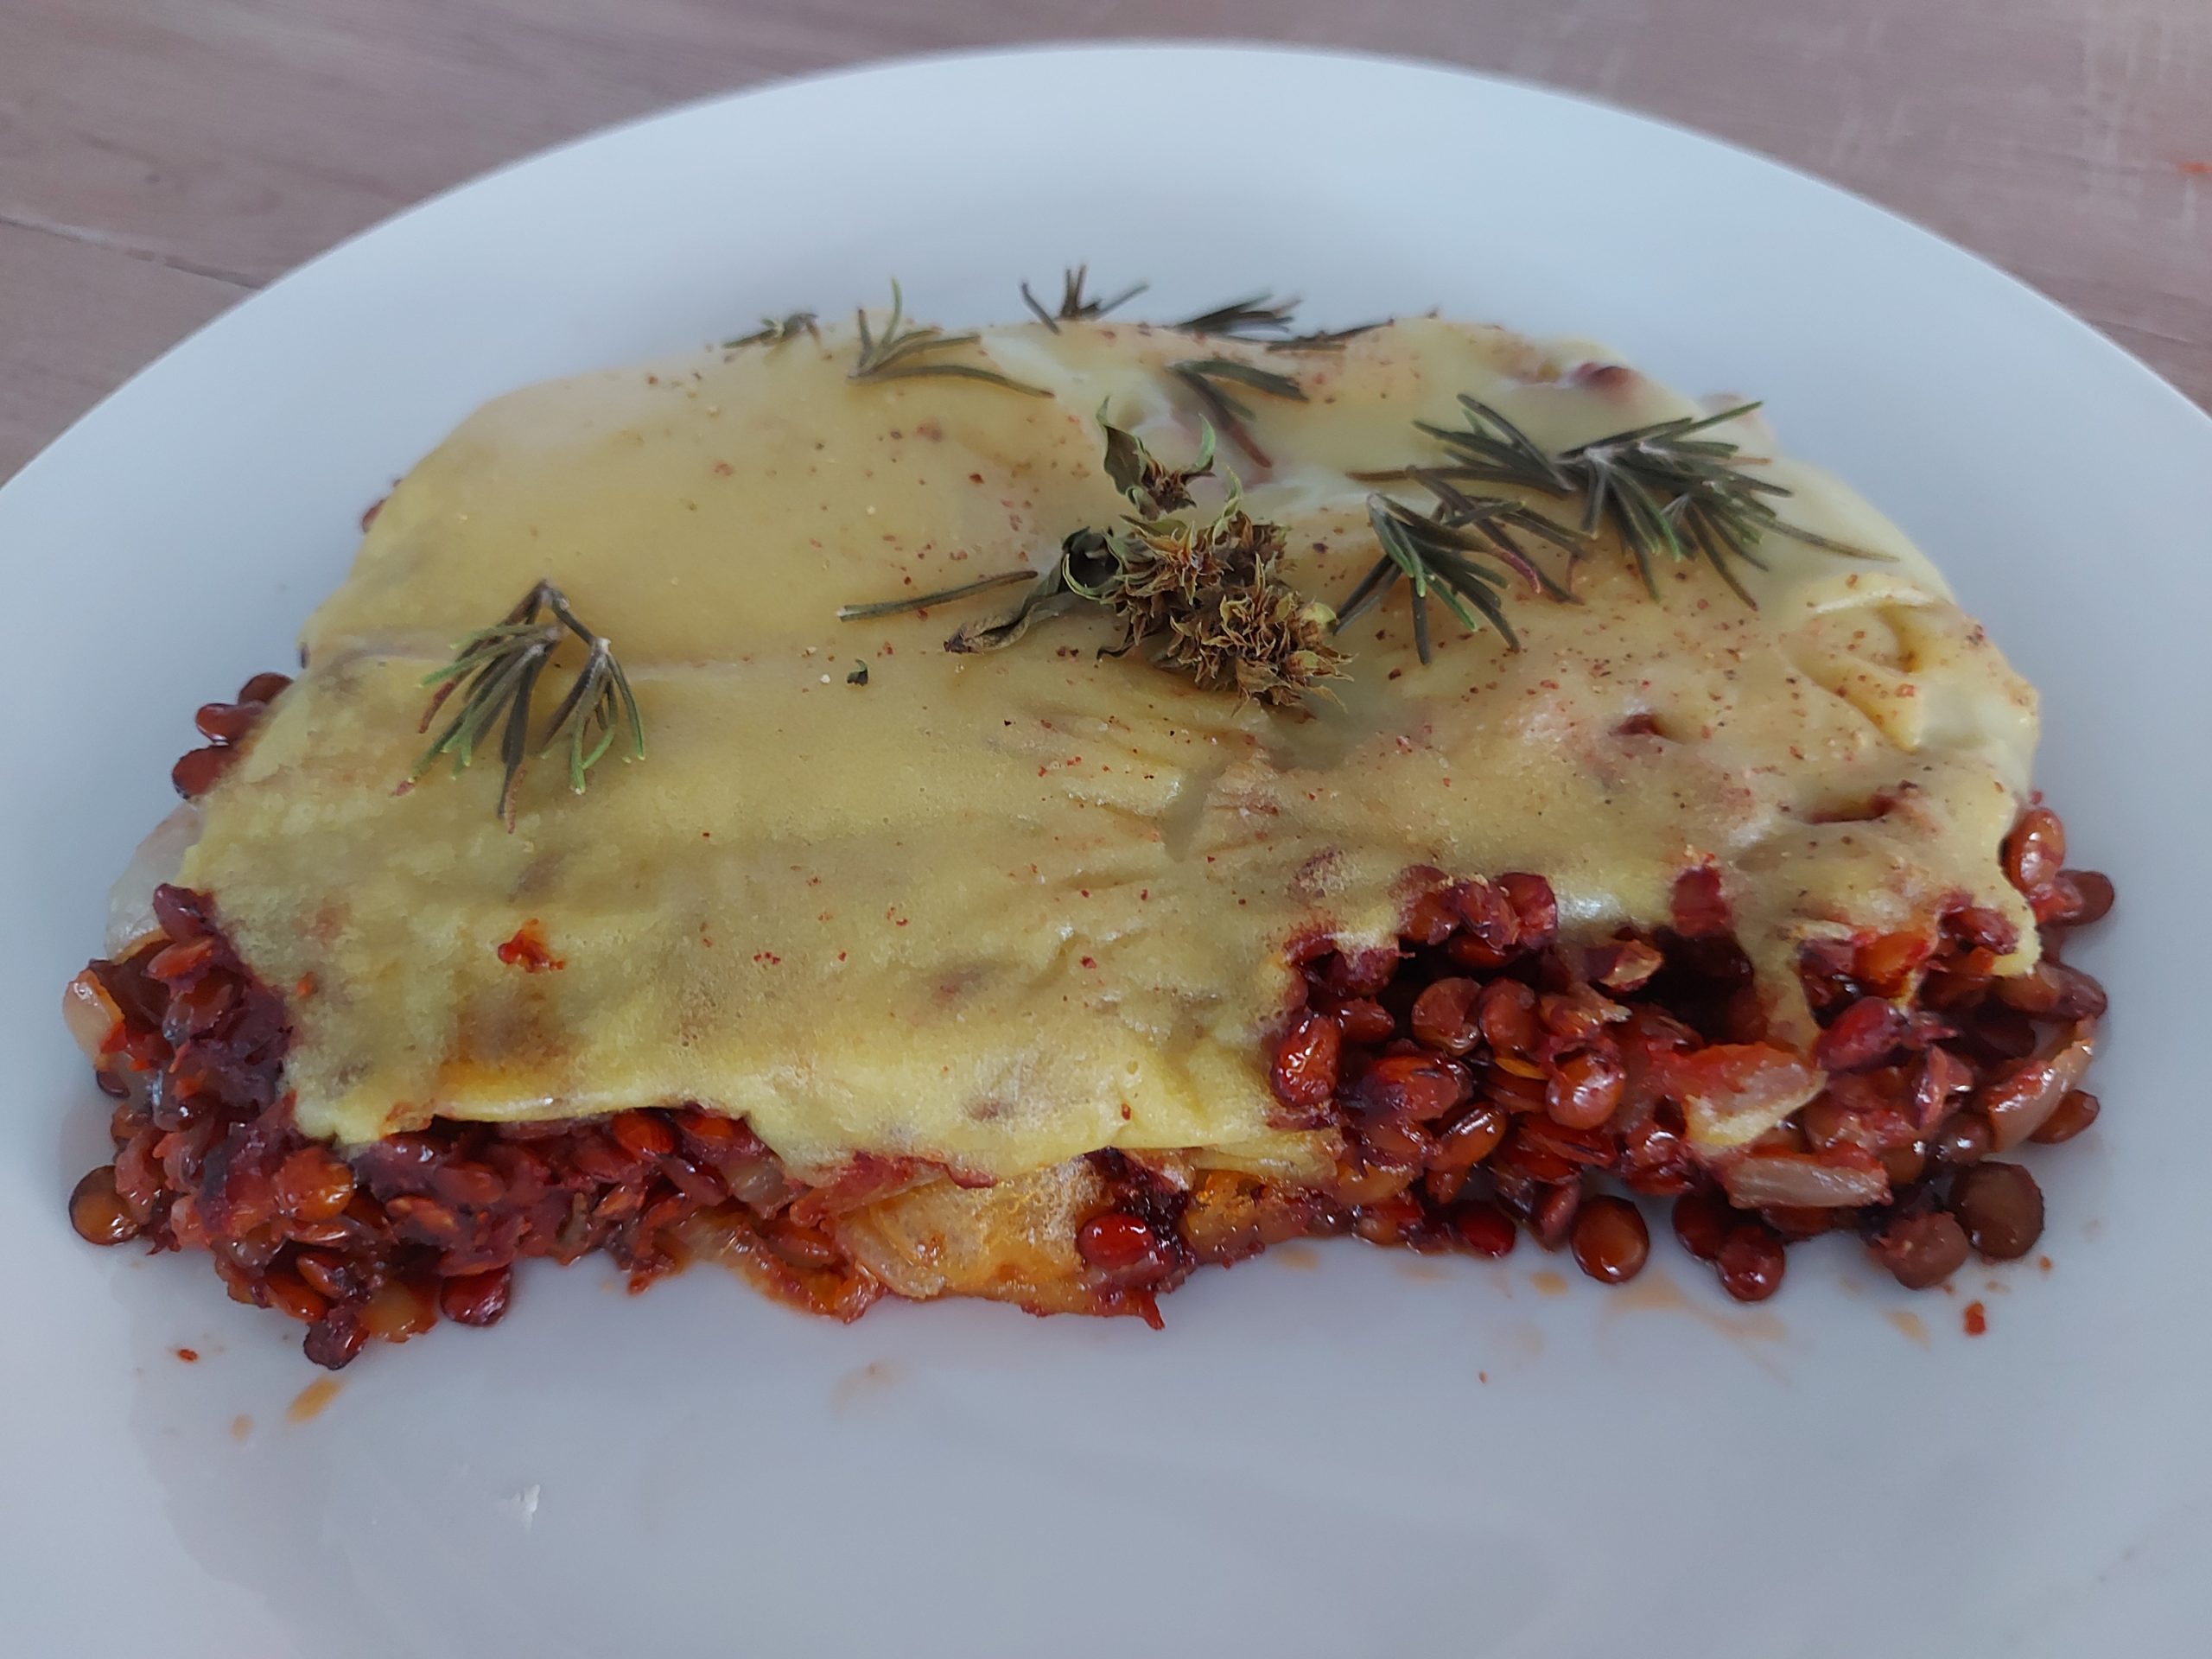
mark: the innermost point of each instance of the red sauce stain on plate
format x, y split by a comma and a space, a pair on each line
308, 1403
1653, 1291
856, 1387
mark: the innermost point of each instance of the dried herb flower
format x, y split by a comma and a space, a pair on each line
1146, 480
1204, 596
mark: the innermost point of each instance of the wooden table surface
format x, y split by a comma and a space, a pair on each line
161, 159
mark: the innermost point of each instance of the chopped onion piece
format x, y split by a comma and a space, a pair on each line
159, 859
1795, 1180
2021, 1101
90, 1012
1733, 1093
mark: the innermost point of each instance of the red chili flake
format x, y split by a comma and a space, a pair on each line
1976, 1319
527, 951
1088, 963
190, 1356
369, 513
305, 989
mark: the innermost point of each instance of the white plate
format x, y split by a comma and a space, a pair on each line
1345, 1451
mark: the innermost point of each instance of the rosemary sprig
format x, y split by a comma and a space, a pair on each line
1667, 490
893, 607
1322, 340
1664, 488
496, 670
1433, 556
1075, 306
1208, 378
1255, 315
774, 331
1206, 597
1500, 523
1491, 449
908, 354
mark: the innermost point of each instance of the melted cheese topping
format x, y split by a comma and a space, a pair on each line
998, 911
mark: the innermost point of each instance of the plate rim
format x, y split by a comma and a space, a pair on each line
903, 64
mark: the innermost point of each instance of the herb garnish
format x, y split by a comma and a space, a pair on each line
901, 355
1663, 488
1207, 380
1255, 315
893, 607
1432, 554
497, 668
1206, 595
1146, 480
774, 331
1322, 340
1074, 306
